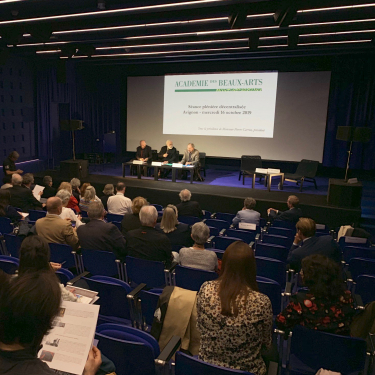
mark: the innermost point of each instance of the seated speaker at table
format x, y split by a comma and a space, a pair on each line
144, 153
168, 154
191, 157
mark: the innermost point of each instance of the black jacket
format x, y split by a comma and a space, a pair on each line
292, 215
189, 208
172, 155
144, 153
324, 245
99, 235
49, 192
104, 200
130, 222
180, 236
21, 197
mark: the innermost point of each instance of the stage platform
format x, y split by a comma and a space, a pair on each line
222, 198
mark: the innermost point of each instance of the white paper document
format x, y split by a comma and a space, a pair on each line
37, 190
67, 345
83, 295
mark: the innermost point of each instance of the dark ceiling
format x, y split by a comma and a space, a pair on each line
166, 30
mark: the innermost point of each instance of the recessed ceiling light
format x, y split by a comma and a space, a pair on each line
339, 42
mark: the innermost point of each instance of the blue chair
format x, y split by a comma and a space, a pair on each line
272, 290
192, 278
148, 301
214, 231
149, 272
206, 214
113, 301
244, 235
133, 352
188, 365
223, 242
219, 224
353, 241
101, 263
61, 253
350, 252
263, 222
271, 251
271, 269
322, 228
34, 215
285, 224
114, 217
190, 220
311, 350
224, 216
277, 240
285, 232
158, 207
84, 213
9, 264
5, 225
13, 244
365, 287
118, 224
64, 275
219, 252
361, 266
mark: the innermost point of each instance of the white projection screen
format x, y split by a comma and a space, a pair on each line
299, 117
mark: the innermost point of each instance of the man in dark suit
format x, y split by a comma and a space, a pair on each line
99, 235
306, 243
144, 153
188, 207
146, 242
48, 191
168, 154
21, 196
292, 214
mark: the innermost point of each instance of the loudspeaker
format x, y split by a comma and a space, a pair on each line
74, 168
343, 194
362, 134
71, 125
344, 133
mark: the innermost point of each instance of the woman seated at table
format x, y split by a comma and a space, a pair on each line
196, 256
6, 210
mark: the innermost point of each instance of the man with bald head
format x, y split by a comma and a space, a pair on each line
55, 229
22, 197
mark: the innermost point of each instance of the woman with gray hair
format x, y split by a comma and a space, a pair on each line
76, 183
196, 256
109, 191
68, 213
90, 196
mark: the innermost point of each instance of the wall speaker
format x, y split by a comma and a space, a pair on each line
344, 133
362, 134
71, 125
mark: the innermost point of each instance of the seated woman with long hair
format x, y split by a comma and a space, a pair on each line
234, 319
90, 196
326, 305
73, 202
6, 210
131, 221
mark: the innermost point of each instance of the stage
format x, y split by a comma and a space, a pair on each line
221, 191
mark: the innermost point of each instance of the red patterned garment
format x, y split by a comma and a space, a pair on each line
321, 314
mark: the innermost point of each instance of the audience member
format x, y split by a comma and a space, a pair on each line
178, 233
131, 221
76, 183
21, 196
84, 187
7, 183
247, 214
53, 228
48, 191
306, 243
68, 213
6, 210
326, 306
99, 235
73, 202
196, 256
234, 319
119, 204
188, 207
292, 214
146, 242
109, 191
88, 197
28, 305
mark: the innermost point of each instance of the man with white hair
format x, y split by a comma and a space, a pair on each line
191, 157
168, 154
146, 242
188, 207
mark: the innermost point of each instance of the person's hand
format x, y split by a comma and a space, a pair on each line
43, 205
19, 171
68, 219
188, 163
74, 229
79, 217
165, 155
55, 266
141, 159
94, 360
297, 239
165, 162
40, 193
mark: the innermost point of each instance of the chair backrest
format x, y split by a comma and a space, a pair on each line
272, 269
114, 217
5, 225
271, 251
317, 349
223, 242
366, 288
219, 253
307, 168
84, 213
206, 214
132, 352
202, 159
192, 278
34, 215
9, 264
64, 275
225, 216
353, 241
214, 231
145, 271
149, 302
190, 220
350, 252
245, 235
118, 225
158, 207
61, 253
13, 244
361, 266
272, 290
285, 224
155, 155
112, 294
277, 240
188, 365
285, 232
99, 262
219, 224
250, 163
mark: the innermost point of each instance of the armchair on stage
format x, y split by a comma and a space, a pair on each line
248, 166
306, 171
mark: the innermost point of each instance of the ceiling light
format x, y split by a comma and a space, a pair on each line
332, 22
336, 8
339, 33
273, 37
50, 51
39, 44
274, 45
340, 42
